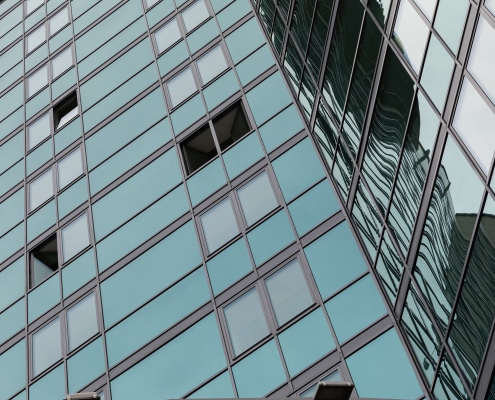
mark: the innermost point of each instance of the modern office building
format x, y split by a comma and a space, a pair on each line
226, 198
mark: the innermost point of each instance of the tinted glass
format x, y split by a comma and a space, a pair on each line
211, 64
194, 15
38, 131
257, 198
62, 62
167, 35
47, 347
69, 168
181, 87
40, 189
219, 225
81, 321
75, 237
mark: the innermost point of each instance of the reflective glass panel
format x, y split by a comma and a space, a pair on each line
150, 3
246, 322
219, 225
181, 87
81, 321
38, 131
58, 21
69, 168
427, 6
257, 198
37, 81
35, 38
62, 62
490, 4
211, 64
194, 15
40, 190
75, 237
31, 5
167, 35
47, 347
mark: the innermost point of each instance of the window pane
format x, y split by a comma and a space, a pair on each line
257, 198
219, 225
58, 21
288, 292
35, 38
61, 63
246, 322
40, 190
38, 131
69, 168
75, 237
211, 64
167, 35
31, 5
150, 3
181, 87
47, 347
194, 15
81, 321
37, 81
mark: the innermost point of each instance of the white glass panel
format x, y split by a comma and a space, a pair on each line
62, 62
75, 237
212, 64
257, 198
490, 4
69, 168
38, 131
195, 14
37, 81
35, 38
47, 348
219, 225
167, 36
181, 87
81, 321
32, 5
40, 190
58, 21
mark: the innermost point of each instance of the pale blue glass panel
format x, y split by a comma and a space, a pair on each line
11, 76
75, 237
47, 346
143, 326
267, 98
172, 58
69, 168
449, 21
229, 266
12, 57
150, 273
306, 341
11, 100
36, 81
11, 19
86, 365
63, 83
11, 211
218, 388
41, 220
13, 366
12, 176
78, 272
263, 367
40, 189
62, 62
169, 372
233, 13
130, 155
11, 151
355, 308
39, 156
12, 283
220, 90
44, 297
195, 14
60, 39
68, 135
167, 35
58, 21
206, 181
245, 40
38, 131
211, 64
335, 260
313, 207
35, 38
297, 169
288, 292
81, 321
242, 155
36, 103
142, 227
202, 36
11, 242
382, 369
219, 225
51, 386
158, 12
254, 65
72, 197
257, 198
12, 122
181, 87
246, 321
12, 320
125, 128
21, 396
187, 114
270, 237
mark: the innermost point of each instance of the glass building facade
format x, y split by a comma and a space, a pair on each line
236, 198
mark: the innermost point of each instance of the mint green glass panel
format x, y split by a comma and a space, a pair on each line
142, 227
72, 197
60, 38
129, 156
149, 274
12, 100
12, 242
41, 100
41, 220
10, 77
270, 237
63, 83
12, 320
69, 134
187, 114
382, 369
297, 169
244, 40
229, 266
143, 326
233, 13
219, 4
177, 367
78, 272
36, 57
202, 36
51, 386
110, 211
355, 308
220, 90
218, 388
158, 13
306, 341
206, 181
172, 58
85, 366
449, 22
12, 283
12, 36
125, 128
21, 396
335, 260
11, 151
12, 211
39, 156
110, 48
44, 297
263, 367
11, 57
13, 366
12, 122
34, 18
254, 65
53, 4
12, 176
8, 21
242, 155
313, 207
269, 97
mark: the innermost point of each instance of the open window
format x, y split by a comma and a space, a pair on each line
198, 149
43, 261
231, 125
65, 111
